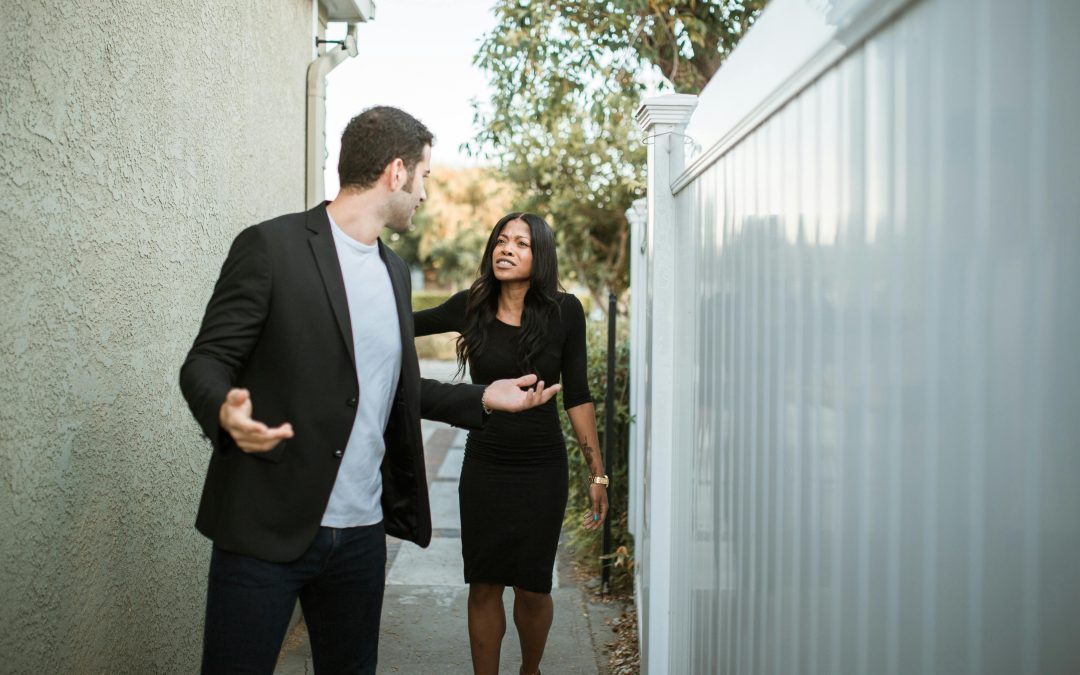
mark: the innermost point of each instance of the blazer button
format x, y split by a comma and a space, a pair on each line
351, 402
339, 453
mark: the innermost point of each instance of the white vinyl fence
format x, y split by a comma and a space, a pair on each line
855, 330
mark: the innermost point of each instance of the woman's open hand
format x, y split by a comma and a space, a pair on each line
598, 514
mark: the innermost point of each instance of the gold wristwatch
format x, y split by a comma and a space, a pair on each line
599, 480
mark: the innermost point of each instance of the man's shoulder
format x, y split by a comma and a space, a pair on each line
289, 224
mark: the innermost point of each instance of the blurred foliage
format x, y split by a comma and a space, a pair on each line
567, 78
586, 543
450, 229
427, 299
440, 346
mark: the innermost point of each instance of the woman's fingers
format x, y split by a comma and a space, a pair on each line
596, 516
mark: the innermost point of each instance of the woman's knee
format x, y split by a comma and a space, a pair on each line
485, 593
531, 599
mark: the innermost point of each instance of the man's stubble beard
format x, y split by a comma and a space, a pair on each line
399, 214
401, 207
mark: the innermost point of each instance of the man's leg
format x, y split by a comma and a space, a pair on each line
343, 604
248, 606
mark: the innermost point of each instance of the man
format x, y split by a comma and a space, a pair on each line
311, 321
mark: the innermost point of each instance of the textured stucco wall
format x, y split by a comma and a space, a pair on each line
136, 138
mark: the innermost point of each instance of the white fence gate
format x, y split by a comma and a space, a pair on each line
856, 323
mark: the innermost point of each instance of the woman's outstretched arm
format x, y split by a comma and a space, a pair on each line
583, 419
446, 318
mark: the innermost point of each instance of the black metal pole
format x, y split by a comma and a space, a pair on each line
609, 423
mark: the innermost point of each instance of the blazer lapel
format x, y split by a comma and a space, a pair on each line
326, 258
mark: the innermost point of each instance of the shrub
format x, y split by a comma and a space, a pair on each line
428, 299
587, 544
439, 347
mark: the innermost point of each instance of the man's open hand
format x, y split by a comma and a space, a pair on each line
250, 435
512, 395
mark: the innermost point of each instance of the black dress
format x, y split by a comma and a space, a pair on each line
514, 478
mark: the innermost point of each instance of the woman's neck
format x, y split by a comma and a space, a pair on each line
512, 301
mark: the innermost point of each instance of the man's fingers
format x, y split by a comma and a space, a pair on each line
548, 393
249, 433
249, 427
539, 395
237, 397
525, 381
257, 432
520, 394
283, 431
266, 439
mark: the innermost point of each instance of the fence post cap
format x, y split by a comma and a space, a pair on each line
667, 109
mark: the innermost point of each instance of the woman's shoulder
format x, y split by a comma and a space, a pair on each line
569, 301
457, 301
570, 311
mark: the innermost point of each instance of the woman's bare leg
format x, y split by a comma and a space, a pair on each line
533, 613
487, 625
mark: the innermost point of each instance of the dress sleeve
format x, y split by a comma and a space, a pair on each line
575, 359
446, 318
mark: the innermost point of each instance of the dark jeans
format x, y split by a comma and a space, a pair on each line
339, 581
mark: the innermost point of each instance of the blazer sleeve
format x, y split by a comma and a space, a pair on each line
448, 317
230, 329
456, 404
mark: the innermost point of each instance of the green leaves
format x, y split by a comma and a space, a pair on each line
568, 77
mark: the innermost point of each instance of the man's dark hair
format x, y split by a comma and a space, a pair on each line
376, 137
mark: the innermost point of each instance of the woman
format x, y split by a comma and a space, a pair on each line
514, 320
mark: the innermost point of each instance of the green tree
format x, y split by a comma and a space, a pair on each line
567, 78
450, 230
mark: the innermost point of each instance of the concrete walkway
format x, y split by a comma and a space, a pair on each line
424, 621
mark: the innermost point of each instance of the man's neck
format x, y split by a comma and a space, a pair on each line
358, 214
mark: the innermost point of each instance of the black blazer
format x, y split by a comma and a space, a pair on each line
278, 325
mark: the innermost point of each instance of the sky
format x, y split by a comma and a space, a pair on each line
416, 55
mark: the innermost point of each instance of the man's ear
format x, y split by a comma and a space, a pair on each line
396, 175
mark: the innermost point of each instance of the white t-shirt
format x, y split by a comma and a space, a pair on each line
377, 345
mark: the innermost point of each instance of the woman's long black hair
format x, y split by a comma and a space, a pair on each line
540, 300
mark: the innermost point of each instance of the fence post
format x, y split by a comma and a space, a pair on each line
663, 119
609, 442
637, 216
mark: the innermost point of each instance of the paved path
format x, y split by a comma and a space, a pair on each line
424, 623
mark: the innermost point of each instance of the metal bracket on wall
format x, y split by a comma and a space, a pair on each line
329, 42
687, 140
